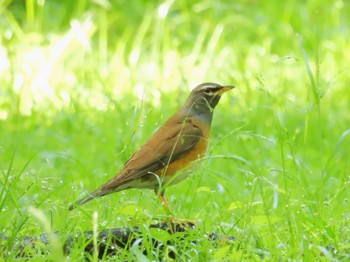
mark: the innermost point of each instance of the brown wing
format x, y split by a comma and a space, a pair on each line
165, 146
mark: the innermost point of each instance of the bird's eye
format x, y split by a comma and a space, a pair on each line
208, 92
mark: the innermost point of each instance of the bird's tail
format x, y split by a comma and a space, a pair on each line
106, 189
86, 199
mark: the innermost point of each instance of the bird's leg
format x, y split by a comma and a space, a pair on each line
174, 221
161, 198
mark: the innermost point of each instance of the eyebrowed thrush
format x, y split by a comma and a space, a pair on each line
182, 139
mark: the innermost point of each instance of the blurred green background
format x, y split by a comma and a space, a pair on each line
85, 83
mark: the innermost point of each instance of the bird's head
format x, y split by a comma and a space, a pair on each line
205, 97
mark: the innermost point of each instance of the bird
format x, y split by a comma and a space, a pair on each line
180, 141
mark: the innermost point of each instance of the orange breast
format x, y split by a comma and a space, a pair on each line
183, 161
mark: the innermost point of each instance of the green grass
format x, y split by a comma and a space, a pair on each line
84, 84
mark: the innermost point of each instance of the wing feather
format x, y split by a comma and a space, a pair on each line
165, 146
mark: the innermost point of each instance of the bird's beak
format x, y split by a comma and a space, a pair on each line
224, 89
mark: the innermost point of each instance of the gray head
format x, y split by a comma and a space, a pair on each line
203, 99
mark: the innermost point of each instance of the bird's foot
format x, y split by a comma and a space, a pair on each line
180, 224
184, 221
